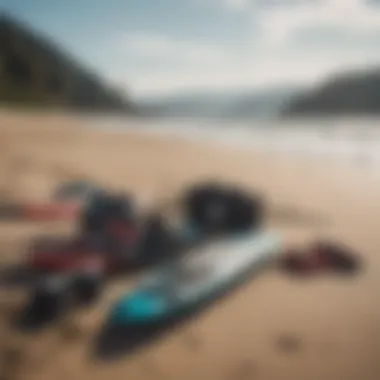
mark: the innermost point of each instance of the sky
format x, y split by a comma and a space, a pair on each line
159, 47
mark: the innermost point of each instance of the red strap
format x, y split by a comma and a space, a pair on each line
49, 211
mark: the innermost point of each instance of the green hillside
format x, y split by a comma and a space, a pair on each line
349, 94
34, 72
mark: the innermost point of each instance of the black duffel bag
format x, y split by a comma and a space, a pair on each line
218, 208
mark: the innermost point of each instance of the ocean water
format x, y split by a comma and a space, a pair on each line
343, 139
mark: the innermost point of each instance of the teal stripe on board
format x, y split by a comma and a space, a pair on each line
153, 302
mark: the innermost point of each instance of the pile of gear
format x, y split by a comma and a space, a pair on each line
114, 236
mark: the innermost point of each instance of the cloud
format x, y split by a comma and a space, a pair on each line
281, 24
236, 4
281, 21
158, 47
248, 72
292, 41
255, 4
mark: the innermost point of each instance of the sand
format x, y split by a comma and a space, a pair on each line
274, 327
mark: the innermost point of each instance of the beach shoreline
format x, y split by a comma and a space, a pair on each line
335, 321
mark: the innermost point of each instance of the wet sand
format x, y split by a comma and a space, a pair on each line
274, 327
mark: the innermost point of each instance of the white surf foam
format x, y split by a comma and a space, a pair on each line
344, 140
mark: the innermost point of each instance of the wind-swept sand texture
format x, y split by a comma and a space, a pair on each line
274, 327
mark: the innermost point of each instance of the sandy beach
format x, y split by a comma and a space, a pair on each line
332, 322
